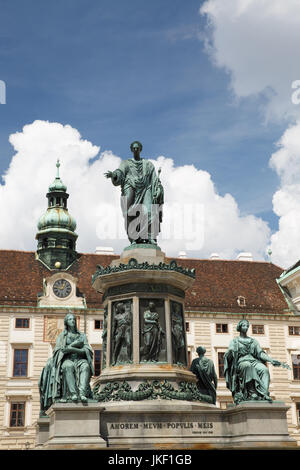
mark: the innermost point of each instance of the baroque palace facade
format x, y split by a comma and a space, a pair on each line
37, 289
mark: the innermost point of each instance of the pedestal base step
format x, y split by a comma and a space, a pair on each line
166, 424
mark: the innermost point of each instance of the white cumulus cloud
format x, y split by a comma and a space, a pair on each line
257, 42
196, 219
286, 201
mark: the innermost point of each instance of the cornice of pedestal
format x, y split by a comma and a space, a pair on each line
142, 265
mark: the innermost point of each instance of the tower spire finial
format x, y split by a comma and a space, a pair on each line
57, 166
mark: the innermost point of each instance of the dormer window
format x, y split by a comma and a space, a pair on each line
241, 301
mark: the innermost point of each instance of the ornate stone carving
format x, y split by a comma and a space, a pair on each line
133, 264
149, 390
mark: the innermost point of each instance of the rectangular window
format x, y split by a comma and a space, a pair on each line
258, 329
298, 412
20, 362
22, 323
187, 326
97, 362
98, 325
296, 366
189, 358
17, 415
221, 328
221, 364
294, 330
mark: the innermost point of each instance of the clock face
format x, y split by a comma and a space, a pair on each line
62, 288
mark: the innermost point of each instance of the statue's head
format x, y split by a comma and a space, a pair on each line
136, 145
242, 324
201, 350
120, 308
151, 306
176, 308
70, 320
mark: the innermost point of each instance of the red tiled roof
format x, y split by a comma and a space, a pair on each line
216, 288
219, 283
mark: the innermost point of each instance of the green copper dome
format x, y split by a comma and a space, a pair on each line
57, 217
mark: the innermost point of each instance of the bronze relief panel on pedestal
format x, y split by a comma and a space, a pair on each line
152, 330
178, 333
121, 332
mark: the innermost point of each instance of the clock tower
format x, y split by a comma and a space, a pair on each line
56, 229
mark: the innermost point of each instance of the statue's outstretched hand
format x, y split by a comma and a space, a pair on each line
108, 174
276, 363
282, 364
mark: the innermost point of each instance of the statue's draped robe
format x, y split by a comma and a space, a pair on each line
243, 363
204, 370
122, 335
177, 335
152, 334
51, 384
140, 185
45, 386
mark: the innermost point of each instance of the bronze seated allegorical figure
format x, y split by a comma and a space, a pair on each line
66, 376
246, 374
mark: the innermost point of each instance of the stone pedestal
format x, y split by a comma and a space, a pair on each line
72, 426
164, 424
42, 435
153, 402
182, 425
139, 278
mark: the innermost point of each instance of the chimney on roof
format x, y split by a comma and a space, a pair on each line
214, 256
244, 257
182, 254
104, 250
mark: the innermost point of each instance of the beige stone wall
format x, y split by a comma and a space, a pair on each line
275, 341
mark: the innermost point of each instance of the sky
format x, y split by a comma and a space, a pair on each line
208, 87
